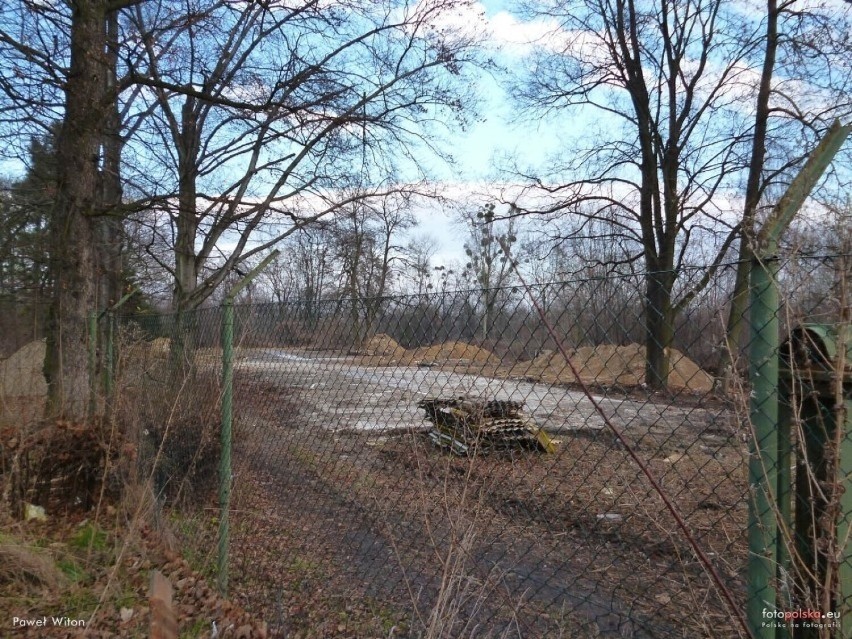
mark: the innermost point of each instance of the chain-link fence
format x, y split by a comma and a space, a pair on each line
505, 462
21, 322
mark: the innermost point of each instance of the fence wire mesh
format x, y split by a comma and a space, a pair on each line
431, 465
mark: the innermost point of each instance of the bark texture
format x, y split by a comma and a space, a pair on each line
74, 233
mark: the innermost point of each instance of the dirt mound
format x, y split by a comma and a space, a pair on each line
21, 374
547, 365
383, 345
687, 374
609, 365
454, 351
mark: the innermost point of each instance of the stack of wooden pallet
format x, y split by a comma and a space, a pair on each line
465, 425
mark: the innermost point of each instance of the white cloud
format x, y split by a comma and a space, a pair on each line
517, 37
503, 31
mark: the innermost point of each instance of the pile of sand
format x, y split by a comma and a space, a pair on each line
608, 365
383, 350
546, 365
604, 365
454, 351
383, 345
22, 374
687, 374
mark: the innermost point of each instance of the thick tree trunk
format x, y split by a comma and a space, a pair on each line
659, 318
183, 334
186, 267
112, 266
73, 228
186, 273
661, 276
182, 351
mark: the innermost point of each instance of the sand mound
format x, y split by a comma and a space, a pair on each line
383, 345
687, 374
454, 351
22, 374
545, 366
608, 365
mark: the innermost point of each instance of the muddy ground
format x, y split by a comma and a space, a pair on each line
349, 523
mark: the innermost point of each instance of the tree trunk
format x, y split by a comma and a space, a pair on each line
182, 349
659, 316
73, 229
739, 300
354, 314
110, 266
113, 144
186, 276
186, 268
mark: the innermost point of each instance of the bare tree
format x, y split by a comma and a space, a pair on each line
368, 252
59, 71
673, 85
798, 42
419, 271
487, 264
263, 106
302, 275
266, 113
61, 79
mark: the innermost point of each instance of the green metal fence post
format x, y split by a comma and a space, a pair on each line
763, 458
225, 473
765, 506
226, 435
784, 499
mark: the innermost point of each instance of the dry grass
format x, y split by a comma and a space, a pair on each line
105, 529
23, 566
